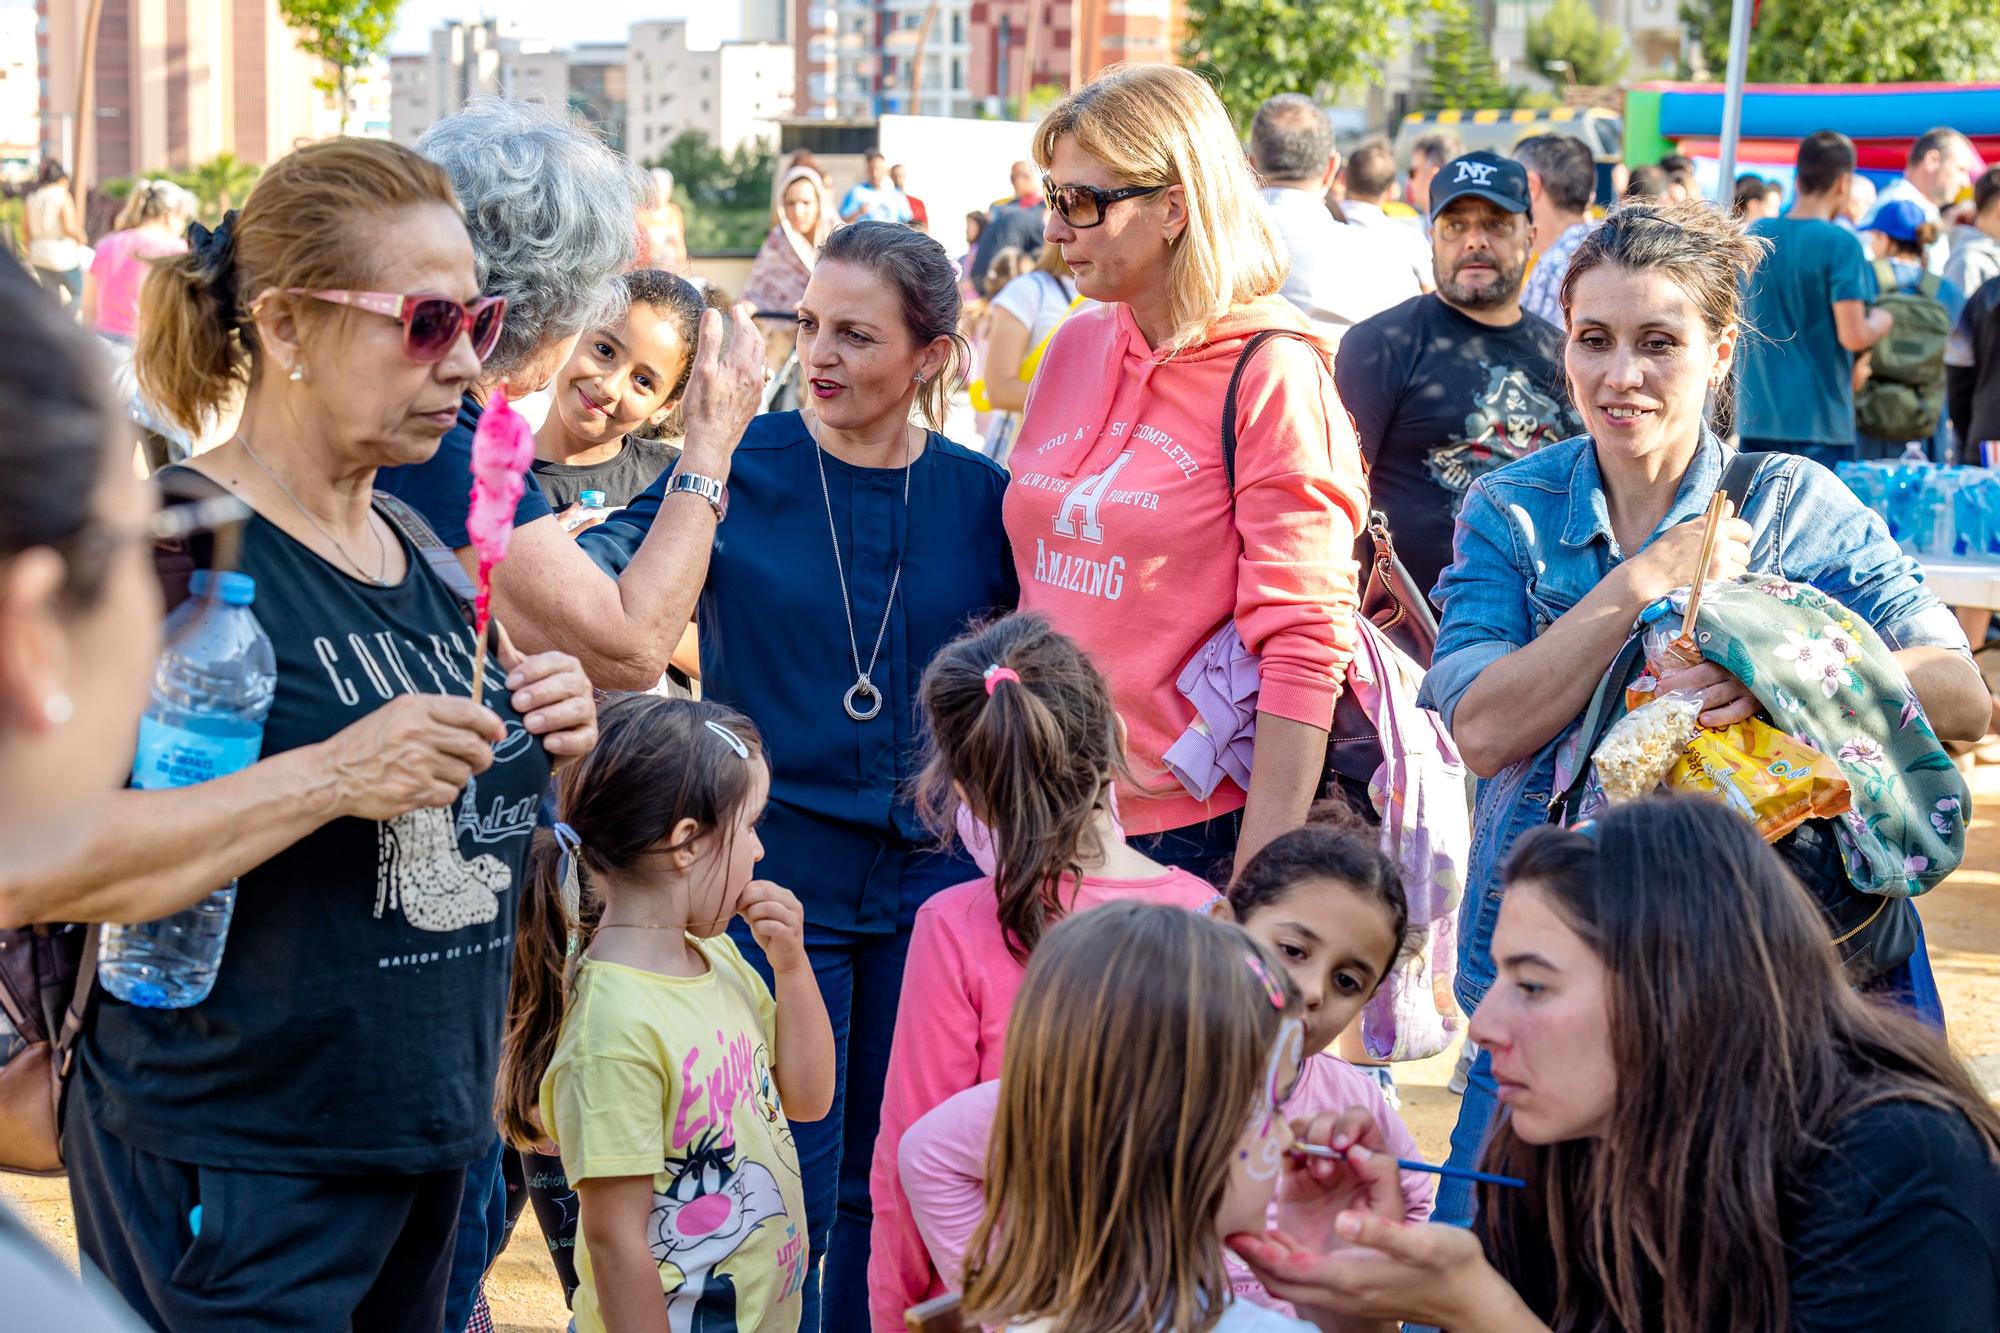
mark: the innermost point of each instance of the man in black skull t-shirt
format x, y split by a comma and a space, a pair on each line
1450, 386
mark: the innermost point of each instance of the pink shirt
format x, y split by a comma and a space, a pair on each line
120, 269
943, 1163
951, 1025
1127, 537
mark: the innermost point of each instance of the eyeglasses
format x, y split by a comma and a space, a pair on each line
431, 324
1083, 206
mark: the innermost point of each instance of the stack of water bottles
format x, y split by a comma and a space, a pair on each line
1945, 512
211, 693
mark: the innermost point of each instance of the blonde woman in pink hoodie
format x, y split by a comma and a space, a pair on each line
1127, 533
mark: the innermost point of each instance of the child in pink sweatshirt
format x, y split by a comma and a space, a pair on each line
1326, 902
1024, 741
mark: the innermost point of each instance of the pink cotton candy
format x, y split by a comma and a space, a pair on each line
502, 448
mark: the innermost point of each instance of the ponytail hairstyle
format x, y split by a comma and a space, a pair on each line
1332, 845
152, 200
657, 762
1122, 1100
315, 219
1021, 722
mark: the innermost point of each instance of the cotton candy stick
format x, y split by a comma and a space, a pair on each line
502, 448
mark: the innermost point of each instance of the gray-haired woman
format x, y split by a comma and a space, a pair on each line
554, 215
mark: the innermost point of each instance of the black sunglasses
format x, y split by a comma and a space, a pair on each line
1083, 205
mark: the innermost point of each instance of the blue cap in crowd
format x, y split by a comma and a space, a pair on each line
1899, 220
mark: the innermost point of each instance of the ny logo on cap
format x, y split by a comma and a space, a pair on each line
1479, 173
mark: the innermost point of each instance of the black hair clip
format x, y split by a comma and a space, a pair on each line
216, 253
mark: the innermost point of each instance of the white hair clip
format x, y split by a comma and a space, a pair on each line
729, 738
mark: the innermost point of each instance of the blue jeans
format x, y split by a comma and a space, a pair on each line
1207, 849
482, 1234
1910, 985
860, 979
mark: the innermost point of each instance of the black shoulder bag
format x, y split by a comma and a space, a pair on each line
1390, 600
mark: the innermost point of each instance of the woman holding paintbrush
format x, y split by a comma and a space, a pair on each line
1556, 556
1815, 1161
292, 1151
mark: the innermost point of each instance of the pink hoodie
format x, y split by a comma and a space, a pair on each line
951, 1029
1126, 537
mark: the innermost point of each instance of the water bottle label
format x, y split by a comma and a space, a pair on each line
171, 756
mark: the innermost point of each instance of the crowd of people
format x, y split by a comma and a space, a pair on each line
940, 897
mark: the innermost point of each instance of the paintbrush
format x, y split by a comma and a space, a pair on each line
1408, 1164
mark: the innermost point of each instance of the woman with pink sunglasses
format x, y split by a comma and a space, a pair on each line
292, 1151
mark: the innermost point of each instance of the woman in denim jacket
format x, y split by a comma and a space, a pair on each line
1542, 592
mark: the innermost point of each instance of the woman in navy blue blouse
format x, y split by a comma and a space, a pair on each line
856, 544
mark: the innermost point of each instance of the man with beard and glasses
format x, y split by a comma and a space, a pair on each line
1449, 386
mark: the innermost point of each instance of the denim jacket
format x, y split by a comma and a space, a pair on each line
1534, 537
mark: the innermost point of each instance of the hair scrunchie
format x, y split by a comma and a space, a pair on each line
215, 252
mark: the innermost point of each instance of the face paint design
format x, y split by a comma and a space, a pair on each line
1280, 1077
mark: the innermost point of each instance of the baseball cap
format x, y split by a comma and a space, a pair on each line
1499, 180
1899, 220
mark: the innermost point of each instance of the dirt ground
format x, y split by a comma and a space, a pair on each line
1961, 920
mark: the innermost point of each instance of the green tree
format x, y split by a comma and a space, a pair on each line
346, 34
1254, 49
1570, 32
1839, 41
221, 183
725, 196
1461, 66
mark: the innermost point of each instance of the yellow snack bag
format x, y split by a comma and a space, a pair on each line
1769, 778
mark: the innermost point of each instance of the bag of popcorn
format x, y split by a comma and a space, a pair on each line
1640, 749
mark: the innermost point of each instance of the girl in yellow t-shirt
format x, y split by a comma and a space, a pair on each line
658, 1060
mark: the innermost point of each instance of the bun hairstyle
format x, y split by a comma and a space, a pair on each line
920, 273
1022, 722
1139, 1051
1703, 249
309, 222
657, 762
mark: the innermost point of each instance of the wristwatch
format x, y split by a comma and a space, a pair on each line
708, 488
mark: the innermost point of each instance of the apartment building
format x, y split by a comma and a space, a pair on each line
675, 81
177, 82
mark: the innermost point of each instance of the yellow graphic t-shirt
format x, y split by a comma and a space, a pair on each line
671, 1077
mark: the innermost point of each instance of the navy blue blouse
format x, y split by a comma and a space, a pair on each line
440, 488
774, 641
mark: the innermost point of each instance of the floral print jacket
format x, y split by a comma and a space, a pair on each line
1827, 679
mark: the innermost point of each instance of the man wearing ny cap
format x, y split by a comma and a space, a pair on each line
1449, 386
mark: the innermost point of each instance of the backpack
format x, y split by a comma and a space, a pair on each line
1904, 396
1396, 765
48, 972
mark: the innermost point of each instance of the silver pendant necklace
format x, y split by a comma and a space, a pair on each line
380, 579
863, 701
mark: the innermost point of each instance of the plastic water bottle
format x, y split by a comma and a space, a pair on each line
211, 694
589, 509
1915, 452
